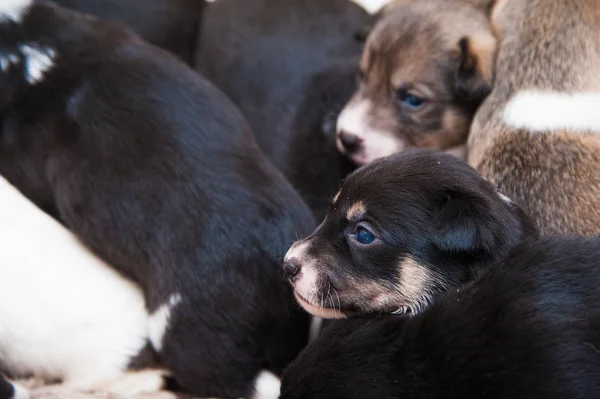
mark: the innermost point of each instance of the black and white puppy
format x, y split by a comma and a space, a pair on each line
398, 233
527, 328
290, 66
156, 171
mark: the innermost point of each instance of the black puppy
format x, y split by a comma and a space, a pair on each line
157, 172
171, 24
399, 232
527, 328
279, 61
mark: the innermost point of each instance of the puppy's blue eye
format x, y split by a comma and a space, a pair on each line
364, 236
410, 100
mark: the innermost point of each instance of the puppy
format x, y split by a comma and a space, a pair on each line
156, 171
400, 231
170, 24
289, 65
426, 67
536, 135
526, 328
66, 315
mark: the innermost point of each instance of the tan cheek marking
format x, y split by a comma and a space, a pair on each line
356, 211
415, 280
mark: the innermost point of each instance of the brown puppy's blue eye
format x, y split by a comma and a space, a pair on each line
410, 100
364, 236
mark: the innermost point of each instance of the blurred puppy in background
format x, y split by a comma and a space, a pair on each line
426, 67
537, 135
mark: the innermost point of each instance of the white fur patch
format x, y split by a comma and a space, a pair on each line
316, 323
20, 392
372, 6
159, 321
505, 198
375, 143
7, 60
37, 62
544, 111
65, 314
136, 383
267, 386
13, 9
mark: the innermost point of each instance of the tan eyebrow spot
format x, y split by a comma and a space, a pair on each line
356, 211
336, 197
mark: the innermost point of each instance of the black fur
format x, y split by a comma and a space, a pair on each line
525, 329
7, 391
279, 61
157, 172
423, 207
171, 24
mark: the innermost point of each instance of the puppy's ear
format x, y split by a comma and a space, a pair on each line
461, 224
475, 69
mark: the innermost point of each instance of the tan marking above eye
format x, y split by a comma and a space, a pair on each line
336, 197
356, 211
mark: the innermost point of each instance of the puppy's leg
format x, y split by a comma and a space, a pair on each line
266, 386
136, 383
9, 390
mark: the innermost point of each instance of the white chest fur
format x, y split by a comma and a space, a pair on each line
64, 314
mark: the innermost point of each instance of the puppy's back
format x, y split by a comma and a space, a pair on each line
536, 135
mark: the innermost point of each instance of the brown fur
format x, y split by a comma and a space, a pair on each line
415, 47
547, 45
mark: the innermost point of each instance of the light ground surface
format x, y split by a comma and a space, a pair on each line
58, 392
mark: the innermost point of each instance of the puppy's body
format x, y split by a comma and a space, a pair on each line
279, 61
536, 135
400, 231
426, 67
526, 329
155, 170
170, 24
66, 315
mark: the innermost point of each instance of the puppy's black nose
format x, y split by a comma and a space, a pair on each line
350, 141
291, 268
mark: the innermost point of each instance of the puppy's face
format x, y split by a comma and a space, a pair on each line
400, 231
424, 71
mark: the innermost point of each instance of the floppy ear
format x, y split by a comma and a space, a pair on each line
475, 69
461, 224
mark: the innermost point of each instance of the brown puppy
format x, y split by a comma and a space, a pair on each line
536, 135
426, 67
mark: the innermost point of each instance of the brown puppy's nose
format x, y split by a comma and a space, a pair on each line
291, 267
350, 141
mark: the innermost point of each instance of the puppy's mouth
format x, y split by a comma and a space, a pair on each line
318, 310
357, 157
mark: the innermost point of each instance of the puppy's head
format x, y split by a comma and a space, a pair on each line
401, 230
426, 67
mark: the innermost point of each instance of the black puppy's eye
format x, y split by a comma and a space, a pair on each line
409, 100
364, 236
